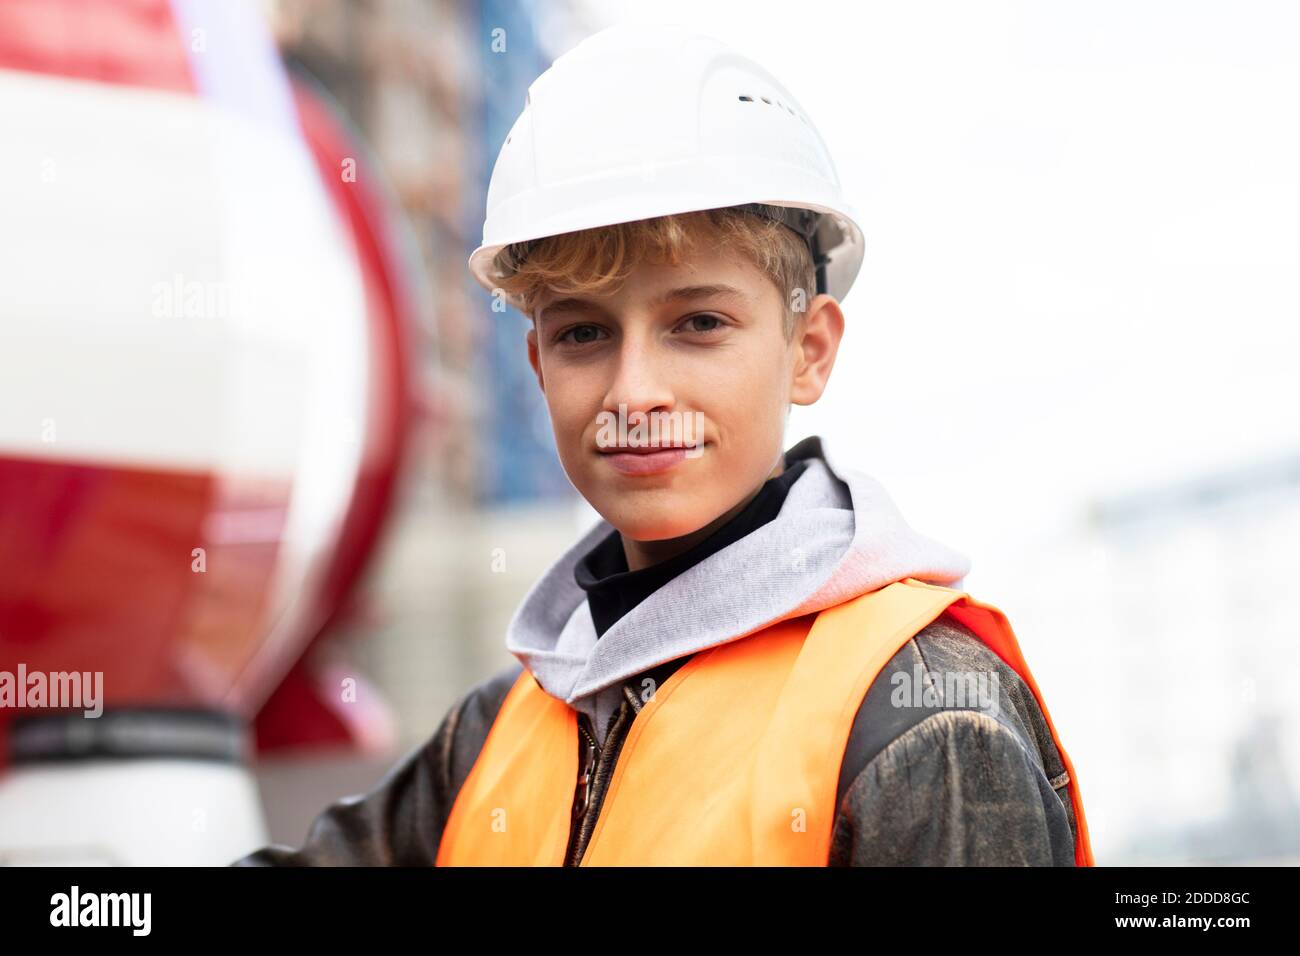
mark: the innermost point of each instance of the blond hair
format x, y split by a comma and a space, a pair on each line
596, 261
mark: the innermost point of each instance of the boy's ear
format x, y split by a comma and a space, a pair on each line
817, 339
533, 357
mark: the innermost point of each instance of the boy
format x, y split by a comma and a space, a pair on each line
751, 658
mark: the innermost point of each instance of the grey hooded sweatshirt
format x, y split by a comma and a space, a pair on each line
948, 781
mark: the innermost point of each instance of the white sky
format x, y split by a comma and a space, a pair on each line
1083, 242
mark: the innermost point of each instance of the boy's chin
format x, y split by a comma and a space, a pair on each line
662, 528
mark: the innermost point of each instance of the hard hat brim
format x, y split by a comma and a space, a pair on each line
845, 256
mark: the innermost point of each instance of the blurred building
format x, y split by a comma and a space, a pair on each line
1200, 581
1161, 630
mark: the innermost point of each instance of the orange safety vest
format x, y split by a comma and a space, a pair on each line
756, 787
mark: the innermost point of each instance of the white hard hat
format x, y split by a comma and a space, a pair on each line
641, 121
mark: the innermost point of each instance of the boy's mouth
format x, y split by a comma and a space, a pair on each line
645, 459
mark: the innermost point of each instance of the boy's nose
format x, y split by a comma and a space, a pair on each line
640, 381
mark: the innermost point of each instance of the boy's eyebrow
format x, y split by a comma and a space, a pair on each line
684, 293
698, 292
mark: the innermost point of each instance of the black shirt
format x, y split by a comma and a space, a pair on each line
613, 590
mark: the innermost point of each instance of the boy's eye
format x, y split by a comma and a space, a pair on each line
692, 322
585, 334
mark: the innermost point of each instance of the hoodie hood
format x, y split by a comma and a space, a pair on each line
838, 535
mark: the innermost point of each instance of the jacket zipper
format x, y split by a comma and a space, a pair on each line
586, 770
595, 767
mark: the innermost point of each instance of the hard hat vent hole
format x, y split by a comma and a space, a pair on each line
789, 109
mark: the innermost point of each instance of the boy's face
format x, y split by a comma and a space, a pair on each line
700, 347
